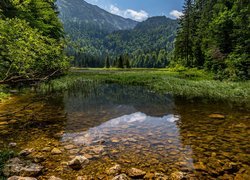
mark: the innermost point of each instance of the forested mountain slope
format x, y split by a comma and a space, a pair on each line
95, 34
151, 35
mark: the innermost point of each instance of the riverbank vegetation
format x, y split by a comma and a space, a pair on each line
188, 83
3, 93
31, 48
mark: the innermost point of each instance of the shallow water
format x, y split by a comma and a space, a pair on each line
131, 126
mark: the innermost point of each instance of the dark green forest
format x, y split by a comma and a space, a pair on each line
31, 41
215, 35
147, 45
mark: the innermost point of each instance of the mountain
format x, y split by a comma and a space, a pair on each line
79, 11
96, 33
151, 35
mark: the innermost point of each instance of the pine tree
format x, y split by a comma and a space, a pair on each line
107, 62
215, 35
127, 62
120, 62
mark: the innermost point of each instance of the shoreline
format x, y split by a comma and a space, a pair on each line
188, 84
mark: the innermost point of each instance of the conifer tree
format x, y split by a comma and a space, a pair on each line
107, 62
120, 62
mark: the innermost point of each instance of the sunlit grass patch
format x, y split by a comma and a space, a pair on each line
190, 83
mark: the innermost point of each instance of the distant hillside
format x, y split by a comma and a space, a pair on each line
83, 13
96, 33
151, 35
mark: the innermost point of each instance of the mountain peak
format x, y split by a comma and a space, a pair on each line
155, 21
83, 12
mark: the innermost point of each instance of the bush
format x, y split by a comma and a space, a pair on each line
25, 53
238, 67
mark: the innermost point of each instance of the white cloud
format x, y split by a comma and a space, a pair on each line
176, 14
129, 13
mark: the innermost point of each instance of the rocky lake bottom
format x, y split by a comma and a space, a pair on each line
111, 131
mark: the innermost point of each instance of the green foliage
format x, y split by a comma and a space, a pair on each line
178, 68
26, 54
3, 93
215, 35
31, 44
151, 59
39, 14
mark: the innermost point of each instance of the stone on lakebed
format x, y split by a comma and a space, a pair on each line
121, 177
78, 162
115, 170
217, 116
16, 167
136, 173
21, 178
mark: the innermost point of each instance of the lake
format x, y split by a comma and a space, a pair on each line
131, 126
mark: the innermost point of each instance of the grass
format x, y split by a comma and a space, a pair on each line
190, 83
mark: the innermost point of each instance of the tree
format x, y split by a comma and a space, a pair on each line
120, 62
115, 62
40, 14
127, 62
25, 54
214, 35
31, 41
183, 44
107, 63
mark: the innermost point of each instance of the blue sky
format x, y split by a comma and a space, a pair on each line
141, 9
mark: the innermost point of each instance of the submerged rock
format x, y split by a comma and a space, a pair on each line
78, 162
136, 173
56, 151
115, 170
31, 170
26, 152
12, 144
85, 178
217, 116
199, 166
97, 149
176, 175
160, 176
16, 167
54, 178
4, 123
38, 158
121, 177
21, 178
74, 151
13, 167
241, 125
69, 147
46, 149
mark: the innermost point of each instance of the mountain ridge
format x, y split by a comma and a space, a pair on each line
81, 11
146, 43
